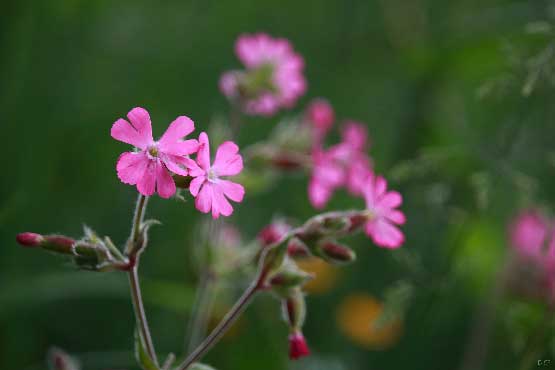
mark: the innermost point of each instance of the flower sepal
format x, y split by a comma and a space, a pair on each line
289, 277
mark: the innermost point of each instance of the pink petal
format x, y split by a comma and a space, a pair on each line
165, 186
232, 190
175, 164
194, 169
396, 216
123, 131
147, 184
228, 162
195, 185
203, 201
391, 199
203, 154
184, 147
384, 234
355, 134
131, 167
171, 142
140, 119
380, 186
220, 205
318, 194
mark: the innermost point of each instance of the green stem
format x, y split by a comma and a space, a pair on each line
137, 221
140, 312
222, 327
133, 252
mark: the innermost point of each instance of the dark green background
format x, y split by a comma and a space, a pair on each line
414, 70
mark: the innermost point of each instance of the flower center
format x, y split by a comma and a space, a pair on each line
212, 175
153, 151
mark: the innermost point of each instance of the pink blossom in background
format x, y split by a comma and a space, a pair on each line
383, 215
355, 134
210, 190
533, 239
228, 84
326, 176
151, 167
274, 75
528, 233
321, 116
344, 164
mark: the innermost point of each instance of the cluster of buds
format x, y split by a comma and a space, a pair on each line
282, 245
88, 253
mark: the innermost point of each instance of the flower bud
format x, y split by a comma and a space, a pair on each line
290, 276
273, 233
294, 309
334, 252
54, 243
29, 239
296, 248
297, 346
357, 220
288, 162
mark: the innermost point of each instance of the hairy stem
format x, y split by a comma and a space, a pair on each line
140, 312
133, 251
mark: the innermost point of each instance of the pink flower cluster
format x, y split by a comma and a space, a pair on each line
533, 238
273, 78
152, 166
347, 165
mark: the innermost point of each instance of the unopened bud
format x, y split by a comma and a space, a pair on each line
289, 277
54, 243
297, 346
29, 239
296, 248
288, 162
294, 309
334, 252
273, 233
357, 220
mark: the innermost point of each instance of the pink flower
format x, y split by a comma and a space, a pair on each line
534, 241
383, 217
528, 233
297, 346
273, 79
320, 115
208, 188
344, 164
150, 168
327, 175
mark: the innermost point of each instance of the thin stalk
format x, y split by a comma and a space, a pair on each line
137, 220
133, 252
223, 326
140, 312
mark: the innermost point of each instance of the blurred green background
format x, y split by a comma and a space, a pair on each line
459, 100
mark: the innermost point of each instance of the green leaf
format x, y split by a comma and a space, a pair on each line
142, 355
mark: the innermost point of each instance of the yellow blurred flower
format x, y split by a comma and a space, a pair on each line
325, 275
357, 316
